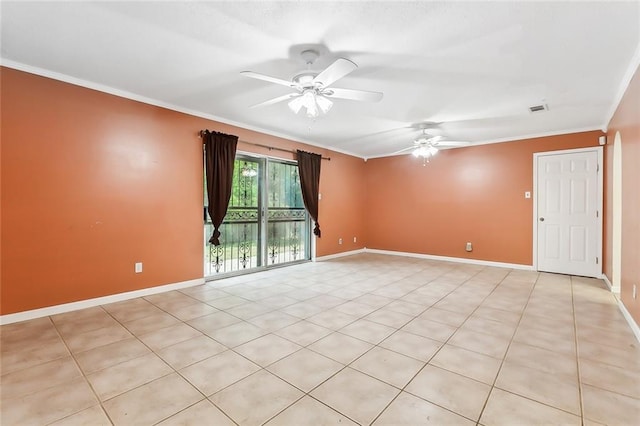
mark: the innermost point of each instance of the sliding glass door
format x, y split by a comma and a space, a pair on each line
266, 223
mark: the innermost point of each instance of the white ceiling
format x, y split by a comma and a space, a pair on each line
472, 67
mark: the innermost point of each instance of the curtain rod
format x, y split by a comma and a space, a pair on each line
270, 148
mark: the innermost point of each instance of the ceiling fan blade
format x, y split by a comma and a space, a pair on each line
428, 138
451, 144
335, 71
403, 150
276, 100
356, 95
275, 80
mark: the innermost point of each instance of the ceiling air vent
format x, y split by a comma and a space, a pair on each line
538, 108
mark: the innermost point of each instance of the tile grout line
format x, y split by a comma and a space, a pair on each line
576, 347
151, 351
527, 397
327, 290
443, 345
265, 367
84, 376
345, 366
232, 349
504, 357
177, 371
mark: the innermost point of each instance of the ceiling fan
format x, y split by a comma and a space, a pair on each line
312, 90
427, 145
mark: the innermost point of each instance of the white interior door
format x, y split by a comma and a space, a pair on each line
569, 223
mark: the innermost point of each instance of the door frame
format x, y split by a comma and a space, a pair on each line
262, 222
600, 189
616, 214
312, 242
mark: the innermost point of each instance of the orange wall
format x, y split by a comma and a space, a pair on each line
92, 183
343, 204
626, 120
473, 194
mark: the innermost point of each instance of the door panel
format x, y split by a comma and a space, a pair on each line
266, 223
241, 229
578, 244
287, 219
568, 213
552, 241
553, 194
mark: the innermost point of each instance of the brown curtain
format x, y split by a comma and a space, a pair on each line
309, 171
220, 154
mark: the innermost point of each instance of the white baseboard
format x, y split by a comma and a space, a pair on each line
337, 255
616, 293
607, 282
453, 259
613, 289
632, 324
89, 303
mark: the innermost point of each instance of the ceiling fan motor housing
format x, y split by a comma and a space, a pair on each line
309, 56
305, 79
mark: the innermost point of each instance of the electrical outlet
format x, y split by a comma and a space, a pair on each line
635, 293
138, 267
354, 239
468, 247
527, 194
339, 240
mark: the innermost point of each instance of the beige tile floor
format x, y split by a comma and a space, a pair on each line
367, 339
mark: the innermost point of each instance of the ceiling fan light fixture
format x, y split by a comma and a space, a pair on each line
312, 102
324, 103
425, 152
309, 102
295, 104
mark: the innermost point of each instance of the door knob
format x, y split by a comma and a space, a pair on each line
542, 219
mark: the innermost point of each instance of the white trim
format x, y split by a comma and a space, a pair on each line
150, 101
570, 151
632, 324
616, 209
89, 303
452, 259
337, 255
313, 242
624, 85
313, 237
600, 176
607, 282
614, 289
534, 195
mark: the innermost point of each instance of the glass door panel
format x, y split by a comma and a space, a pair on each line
266, 223
241, 229
287, 220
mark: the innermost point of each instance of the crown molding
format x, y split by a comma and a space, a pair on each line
150, 101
